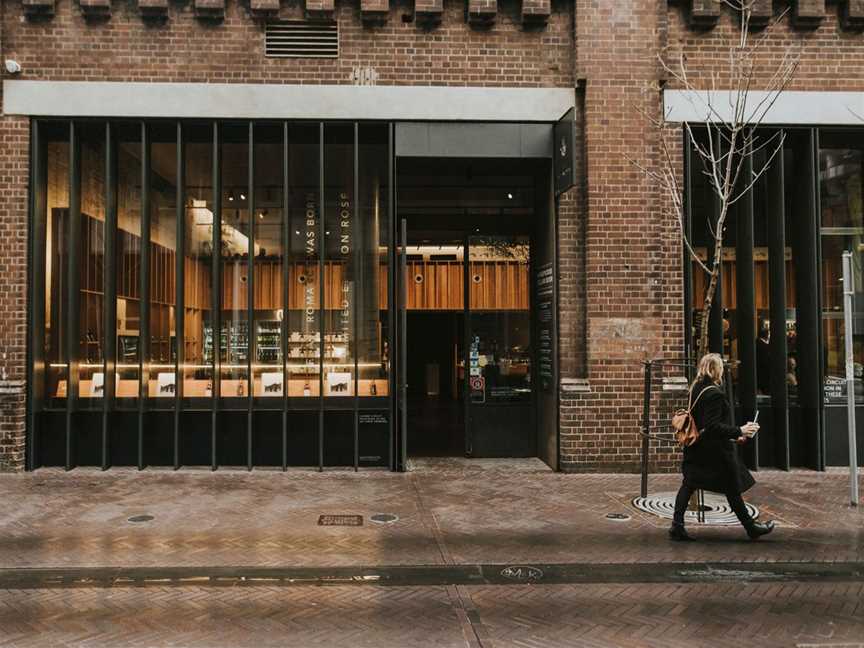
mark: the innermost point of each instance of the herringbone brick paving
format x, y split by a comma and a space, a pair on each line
520, 616
457, 511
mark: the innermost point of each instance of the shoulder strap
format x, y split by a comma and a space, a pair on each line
693, 404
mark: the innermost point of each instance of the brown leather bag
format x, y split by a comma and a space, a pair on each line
684, 426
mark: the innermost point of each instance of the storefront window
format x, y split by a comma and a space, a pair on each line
128, 259
339, 267
56, 218
236, 233
163, 247
269, 311
840, 177
91, 352
304, 321
372, 243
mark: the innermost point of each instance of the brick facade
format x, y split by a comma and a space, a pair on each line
620, 271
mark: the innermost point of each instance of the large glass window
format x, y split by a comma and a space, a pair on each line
236, 234
162, 351
340, 259
91, 269
840, 189
198, 263
371, 241
128, 260
269, 310
55, 223
281, 286
304, 322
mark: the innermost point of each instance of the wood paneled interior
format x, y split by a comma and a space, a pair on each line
700, 283
435, 285
498, 285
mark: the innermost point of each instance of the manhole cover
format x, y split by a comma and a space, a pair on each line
383, 518
716, 511
617, 517
340, 520
522, 573
140, 518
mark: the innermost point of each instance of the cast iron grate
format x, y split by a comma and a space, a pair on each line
340, 520
716, 510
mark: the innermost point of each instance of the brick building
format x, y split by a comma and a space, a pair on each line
432, 234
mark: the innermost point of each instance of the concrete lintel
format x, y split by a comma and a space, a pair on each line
276, 101
791, 108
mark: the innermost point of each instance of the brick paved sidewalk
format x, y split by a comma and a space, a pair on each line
450, 512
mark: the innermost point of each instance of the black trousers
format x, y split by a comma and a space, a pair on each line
736, 503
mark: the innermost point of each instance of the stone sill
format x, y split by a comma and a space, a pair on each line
574, 386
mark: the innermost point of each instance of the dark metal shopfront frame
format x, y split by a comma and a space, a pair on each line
36, 363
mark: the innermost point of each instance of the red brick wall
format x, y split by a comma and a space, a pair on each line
184, 48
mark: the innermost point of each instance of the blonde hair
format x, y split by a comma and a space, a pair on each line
710, 366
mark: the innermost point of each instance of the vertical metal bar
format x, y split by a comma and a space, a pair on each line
776, 230
283, 328
251, 334
646, 429
746, 306
37, 365
392, 309
354, 280
109, 290
216, 295
322, 294
73, 296
144, 294
466, 345
179, 297
403, 342
848, 293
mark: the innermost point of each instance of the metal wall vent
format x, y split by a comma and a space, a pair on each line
301, 39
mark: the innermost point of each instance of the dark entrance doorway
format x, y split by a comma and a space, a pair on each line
470, 353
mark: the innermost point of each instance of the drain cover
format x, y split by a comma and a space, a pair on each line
340, 520
617, 517
383, 518
716, 509
140, 518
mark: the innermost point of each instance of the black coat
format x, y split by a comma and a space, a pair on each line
712, 462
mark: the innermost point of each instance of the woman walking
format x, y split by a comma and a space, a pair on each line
711, 463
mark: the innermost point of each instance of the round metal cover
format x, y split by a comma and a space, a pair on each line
617, 517
384, 518
140, 518
716, 510
523, 573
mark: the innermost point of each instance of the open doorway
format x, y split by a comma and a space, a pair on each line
470, 362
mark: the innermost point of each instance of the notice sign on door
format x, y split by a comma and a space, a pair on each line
478, 389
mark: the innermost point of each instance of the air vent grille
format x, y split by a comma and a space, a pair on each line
301, 39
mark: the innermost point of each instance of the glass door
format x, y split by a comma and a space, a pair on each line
499, 389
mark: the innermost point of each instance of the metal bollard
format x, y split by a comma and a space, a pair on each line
646, 429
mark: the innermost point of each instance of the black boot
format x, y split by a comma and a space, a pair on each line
678, 533
756, 529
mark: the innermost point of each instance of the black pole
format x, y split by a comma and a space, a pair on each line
646, 429
779, 352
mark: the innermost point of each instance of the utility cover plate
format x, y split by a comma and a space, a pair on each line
340, 520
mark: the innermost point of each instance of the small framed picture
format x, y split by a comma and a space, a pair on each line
271, 383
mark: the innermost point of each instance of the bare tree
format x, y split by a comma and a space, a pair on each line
735, 101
